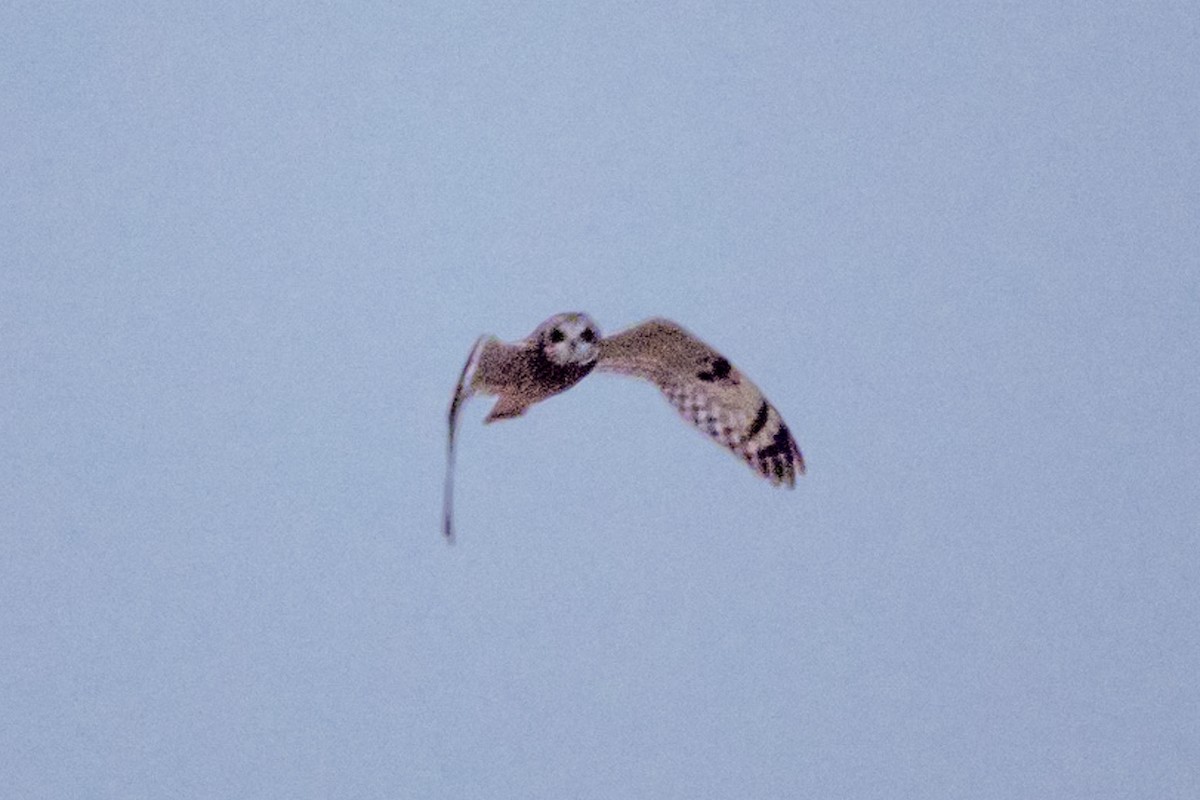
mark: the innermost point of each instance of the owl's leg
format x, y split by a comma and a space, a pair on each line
506, 407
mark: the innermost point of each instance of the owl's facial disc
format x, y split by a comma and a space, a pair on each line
569, 339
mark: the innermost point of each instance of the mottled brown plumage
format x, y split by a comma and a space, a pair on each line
698, 381
555, 357
709, 392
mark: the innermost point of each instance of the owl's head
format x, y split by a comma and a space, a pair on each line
568, 339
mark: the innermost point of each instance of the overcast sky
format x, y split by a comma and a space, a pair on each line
245, 250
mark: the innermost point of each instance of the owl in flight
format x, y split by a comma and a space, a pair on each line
704, 387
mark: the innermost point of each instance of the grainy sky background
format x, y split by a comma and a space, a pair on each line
244, 252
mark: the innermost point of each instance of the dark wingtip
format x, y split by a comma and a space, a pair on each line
780, 461
795, 456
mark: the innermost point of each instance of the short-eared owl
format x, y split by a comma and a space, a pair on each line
704, 387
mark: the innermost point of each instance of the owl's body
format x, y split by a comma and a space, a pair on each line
698, 381
521, 376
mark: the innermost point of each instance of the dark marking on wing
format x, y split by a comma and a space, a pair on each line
779, 446
759, 420
720, 371
780, 468
780, 460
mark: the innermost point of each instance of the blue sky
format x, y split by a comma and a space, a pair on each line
244, 253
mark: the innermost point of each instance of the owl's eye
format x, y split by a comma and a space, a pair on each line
556, 335
588, 335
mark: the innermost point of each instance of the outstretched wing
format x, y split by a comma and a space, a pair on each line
709, 392
488, 370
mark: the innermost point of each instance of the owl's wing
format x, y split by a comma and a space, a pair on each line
488, 370
709, 392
